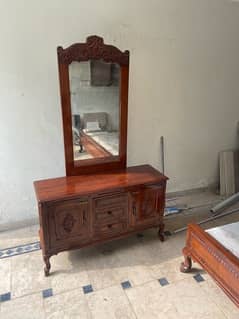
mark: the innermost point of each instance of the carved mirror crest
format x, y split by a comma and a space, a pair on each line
94, 96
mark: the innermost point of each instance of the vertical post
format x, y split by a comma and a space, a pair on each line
162, 152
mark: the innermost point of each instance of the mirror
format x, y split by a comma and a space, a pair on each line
95, 105
94, 98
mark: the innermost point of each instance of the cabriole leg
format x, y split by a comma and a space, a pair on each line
48, 265
161, 232
186, 266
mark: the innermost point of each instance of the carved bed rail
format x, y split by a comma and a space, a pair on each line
219, 262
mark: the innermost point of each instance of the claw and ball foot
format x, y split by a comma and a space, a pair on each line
186, 266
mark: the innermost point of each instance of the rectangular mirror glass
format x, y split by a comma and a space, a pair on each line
95, 109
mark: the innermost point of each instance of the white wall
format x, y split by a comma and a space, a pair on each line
184, 85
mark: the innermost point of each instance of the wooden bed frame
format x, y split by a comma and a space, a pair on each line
219, 262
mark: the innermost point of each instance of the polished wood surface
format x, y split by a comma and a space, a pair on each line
78, 211
99, 199
219, 262
146, 202
94, 48
70, 186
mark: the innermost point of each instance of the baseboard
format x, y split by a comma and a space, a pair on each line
212, 188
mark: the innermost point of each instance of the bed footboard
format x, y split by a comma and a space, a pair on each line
220, 263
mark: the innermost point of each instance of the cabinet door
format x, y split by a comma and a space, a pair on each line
69, 222
147, 205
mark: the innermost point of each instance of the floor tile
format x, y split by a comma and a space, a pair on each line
5, 297
69, 305
67, 272
18, 250
126, 284
159, 252
169, 269
183, 299
5, 275
198, 278
100, 268
28, 307
138, 274
163, 282
46, 293
102, 278
136, 249
191, 301
133, 263
149, 301
220, 299
110, 303
87, 289
28, 275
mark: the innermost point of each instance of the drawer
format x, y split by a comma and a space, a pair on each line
110, 215
110, 229
110, 201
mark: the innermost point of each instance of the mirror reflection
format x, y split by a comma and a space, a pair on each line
94, 87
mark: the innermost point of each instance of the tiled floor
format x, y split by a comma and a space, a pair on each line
136, 277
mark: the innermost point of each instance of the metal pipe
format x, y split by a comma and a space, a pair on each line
227, 202
208, 219
162, 152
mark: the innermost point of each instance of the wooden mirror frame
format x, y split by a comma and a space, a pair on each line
95, 49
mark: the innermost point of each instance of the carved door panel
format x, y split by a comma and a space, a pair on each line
146, 205
69, 222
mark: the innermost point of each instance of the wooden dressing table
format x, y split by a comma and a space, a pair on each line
99, 199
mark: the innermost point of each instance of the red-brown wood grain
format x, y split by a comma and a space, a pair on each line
218, 261
78, 211
99, 199
71, 186
94, 48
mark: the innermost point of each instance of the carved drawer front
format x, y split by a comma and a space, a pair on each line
69, 221
109, 215
110, 201
146, 205
110, 229
110, 208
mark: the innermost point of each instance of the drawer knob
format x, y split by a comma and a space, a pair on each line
109, 212
110, 226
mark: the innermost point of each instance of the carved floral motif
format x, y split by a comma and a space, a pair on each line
189, 251
68, 223
94, 48
218, 256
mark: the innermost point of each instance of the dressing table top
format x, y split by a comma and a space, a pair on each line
71, 186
